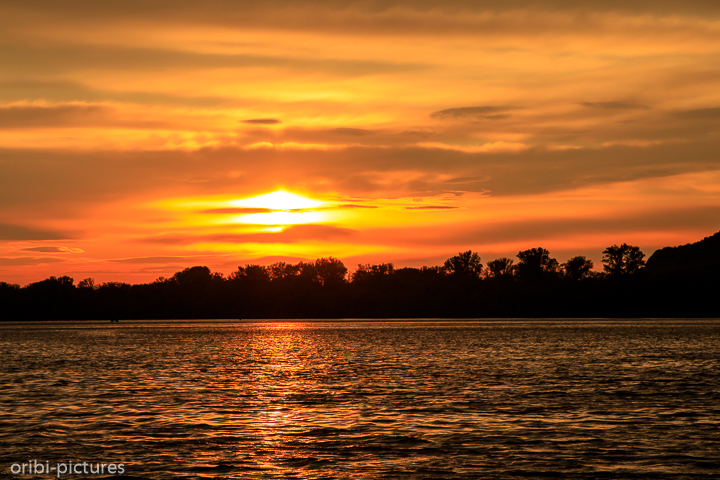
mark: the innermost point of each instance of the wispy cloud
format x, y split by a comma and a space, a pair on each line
712, 113
164, 260
431, 207
262, 121
27, 261
615, 105
485, 111
492, 147
236, 210
289, 234
18, 232
54, 249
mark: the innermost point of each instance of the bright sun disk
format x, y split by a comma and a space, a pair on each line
279, 200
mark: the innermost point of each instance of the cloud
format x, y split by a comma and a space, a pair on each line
350, 205
63, 91
417, 133
376, 17
700, 114
290, 234
29, 59
615, 105
323, 138
493, 147
294, 146
431, 207
485, 111
17, 232
60, 184
262, 121
168, 259
354, 132
465, 180
40, 116
248, 210
267, 260
237, 210
74, 115
533, 232
170, 239
20, 261
54, 249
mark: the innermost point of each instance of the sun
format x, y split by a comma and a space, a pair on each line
281, 208
278, 200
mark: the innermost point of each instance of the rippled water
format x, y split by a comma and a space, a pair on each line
445, 399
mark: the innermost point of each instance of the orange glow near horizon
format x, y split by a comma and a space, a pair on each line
138, 141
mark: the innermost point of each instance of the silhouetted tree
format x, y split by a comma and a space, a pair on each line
52, 285
252, 273
283, 271
307, 272
54, 282
536, 263
434, 270
367, 271
622, 260
9, 286
196, 277
578, 267
115, 285
330, 271
87, 283
51, 298
500, 267
464, 265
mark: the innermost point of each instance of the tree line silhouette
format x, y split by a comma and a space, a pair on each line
673, 283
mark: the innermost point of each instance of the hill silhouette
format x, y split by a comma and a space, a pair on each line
698, 257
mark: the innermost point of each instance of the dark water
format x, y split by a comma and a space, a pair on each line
500, 399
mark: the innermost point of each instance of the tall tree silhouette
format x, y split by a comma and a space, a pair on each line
500, 267
196, 277
283, 271
251, 273
367, 271
536, 263
578, 267
330, 271
87, 283
464, 265
622, 260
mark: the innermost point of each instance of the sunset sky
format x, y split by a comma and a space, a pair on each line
138, 138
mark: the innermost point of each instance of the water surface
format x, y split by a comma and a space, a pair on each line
441, 399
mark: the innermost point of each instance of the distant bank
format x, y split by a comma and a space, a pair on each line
675, 282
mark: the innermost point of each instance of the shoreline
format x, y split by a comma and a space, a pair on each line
513, 320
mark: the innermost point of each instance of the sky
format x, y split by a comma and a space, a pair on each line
139, 138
